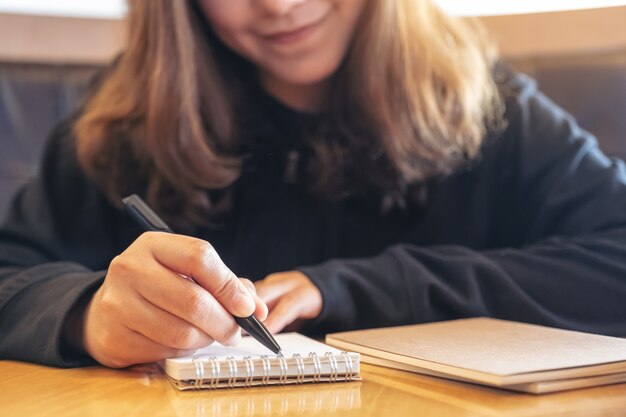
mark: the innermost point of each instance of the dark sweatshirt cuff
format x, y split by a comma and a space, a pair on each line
338, 309
32, 322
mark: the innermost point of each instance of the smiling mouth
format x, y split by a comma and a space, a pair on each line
293, 36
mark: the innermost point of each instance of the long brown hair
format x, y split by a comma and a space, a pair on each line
413, 100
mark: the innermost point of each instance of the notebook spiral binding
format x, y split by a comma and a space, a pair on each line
300, 367
317, 365
208, 370
215, 372
332, 360
267, 366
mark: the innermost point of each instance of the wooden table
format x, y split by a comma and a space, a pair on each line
28, 390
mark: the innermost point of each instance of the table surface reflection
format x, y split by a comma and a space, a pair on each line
33, 390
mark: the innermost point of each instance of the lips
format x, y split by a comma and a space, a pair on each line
292, 36
315, 16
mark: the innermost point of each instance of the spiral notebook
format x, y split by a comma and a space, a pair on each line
248, 364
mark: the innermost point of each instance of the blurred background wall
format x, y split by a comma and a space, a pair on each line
50, 50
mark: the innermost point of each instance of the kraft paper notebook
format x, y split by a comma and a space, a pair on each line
504, 354
249, 364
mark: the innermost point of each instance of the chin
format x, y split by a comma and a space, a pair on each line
306, 73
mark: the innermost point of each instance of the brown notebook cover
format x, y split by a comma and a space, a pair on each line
498, 353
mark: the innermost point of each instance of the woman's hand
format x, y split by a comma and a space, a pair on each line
291, 297
147, 310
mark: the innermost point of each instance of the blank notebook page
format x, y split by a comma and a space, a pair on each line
302, 360
291, 343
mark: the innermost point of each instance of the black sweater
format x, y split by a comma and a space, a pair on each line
535, 231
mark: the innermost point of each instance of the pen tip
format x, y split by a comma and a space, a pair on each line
257, 330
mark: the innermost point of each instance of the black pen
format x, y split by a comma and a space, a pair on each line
149, 221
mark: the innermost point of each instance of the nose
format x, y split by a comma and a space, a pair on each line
279, 7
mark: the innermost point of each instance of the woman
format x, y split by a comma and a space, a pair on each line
358, 145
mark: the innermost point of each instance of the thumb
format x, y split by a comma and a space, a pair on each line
261, 309
220, 281
249, 285
196, 258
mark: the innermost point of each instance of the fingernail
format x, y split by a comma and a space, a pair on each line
234, 340
262, 315
244, 303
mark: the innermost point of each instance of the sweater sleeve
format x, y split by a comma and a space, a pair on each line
46, 261
566, 213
